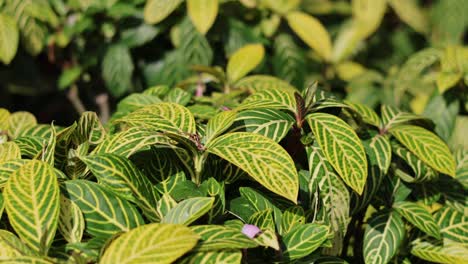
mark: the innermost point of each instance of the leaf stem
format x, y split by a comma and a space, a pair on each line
199, 162
74, 98
102, 100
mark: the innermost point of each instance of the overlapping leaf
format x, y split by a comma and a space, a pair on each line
420, 142
452, 253
32, 203
342, 148
270, 99
244, 60
303, 240
218, 256
368, 115
216, 237
157, 10
418, 215
9, 151
71, 222
19, 122
188, 210
105, 213
453, 225
165, 117
218, 124
383, 236
270, 123
153, 243
257, 83
7, 168
11, 246
392, 116
262, 158
121, 176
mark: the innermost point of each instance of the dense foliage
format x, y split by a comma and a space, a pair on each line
286, 131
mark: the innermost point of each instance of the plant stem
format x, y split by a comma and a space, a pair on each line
199, 162
102, 101
74, 98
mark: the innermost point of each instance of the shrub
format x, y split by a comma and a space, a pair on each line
283, 176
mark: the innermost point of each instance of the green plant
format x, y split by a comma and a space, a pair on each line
283, 176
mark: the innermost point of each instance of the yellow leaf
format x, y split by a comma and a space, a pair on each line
419, 102
348, 70
157, 10
410, 13
369, 13
282, 6
244, 60
312, 32
202, 13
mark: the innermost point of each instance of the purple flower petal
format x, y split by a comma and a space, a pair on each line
251, 230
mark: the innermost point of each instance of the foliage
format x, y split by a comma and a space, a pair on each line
246, 131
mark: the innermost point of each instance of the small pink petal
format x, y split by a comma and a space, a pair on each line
251, 230
225, 108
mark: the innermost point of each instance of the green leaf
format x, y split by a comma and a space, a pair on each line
270, 99
211, 257
289, 61
157, 10
121, 176
165, 117
32, 203
89, 129
411, 13
368, 15
419, 171
105, 213
9, 38
2, 204
217, 237
218, 124
117, 69
270, 123
139, 35
71, 224
367, 114
11, 246
292, 217
418, 216
31, 260
263, 220
69, 76
342, 148
262, 158
130, 141
187, 211
303, 240
312, 32
420, 142
163, 243
244, 60
392, 116
384, 233
257, 83
453, 224
444, 113
379, 156
4, 116
202, 13
451, 253
9, 151
7, 168
178, 96
258, 202
19, 122
334, 195
194, 48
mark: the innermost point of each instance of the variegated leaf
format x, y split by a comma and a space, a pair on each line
31, 147
258, 202
270, 123
128, 142
163, 243
217, 237
178, 96
451, 253
89, 129
418, 216
122, 177
270, 99
392, 116
104, 212
342, 148
367, 114
4, 116
303, 240
420, 171
41, 130
453, 224
7, 168
333, 193
31, 260
263, 219
420, 142
262, 158
187, 211
165, 117
165, 204
2, 204
218, 124
379, 156
292, 217
9, 151
32, 203
211, 257
384, 233
71, 222
11, 246
19, 122
257, 83
461, 159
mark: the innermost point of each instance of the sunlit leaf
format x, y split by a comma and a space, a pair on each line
244, 60
188, 210
9, 38
153, 243
262, 158
203, 13
419, 216
216, 237
303, 240
157, 10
